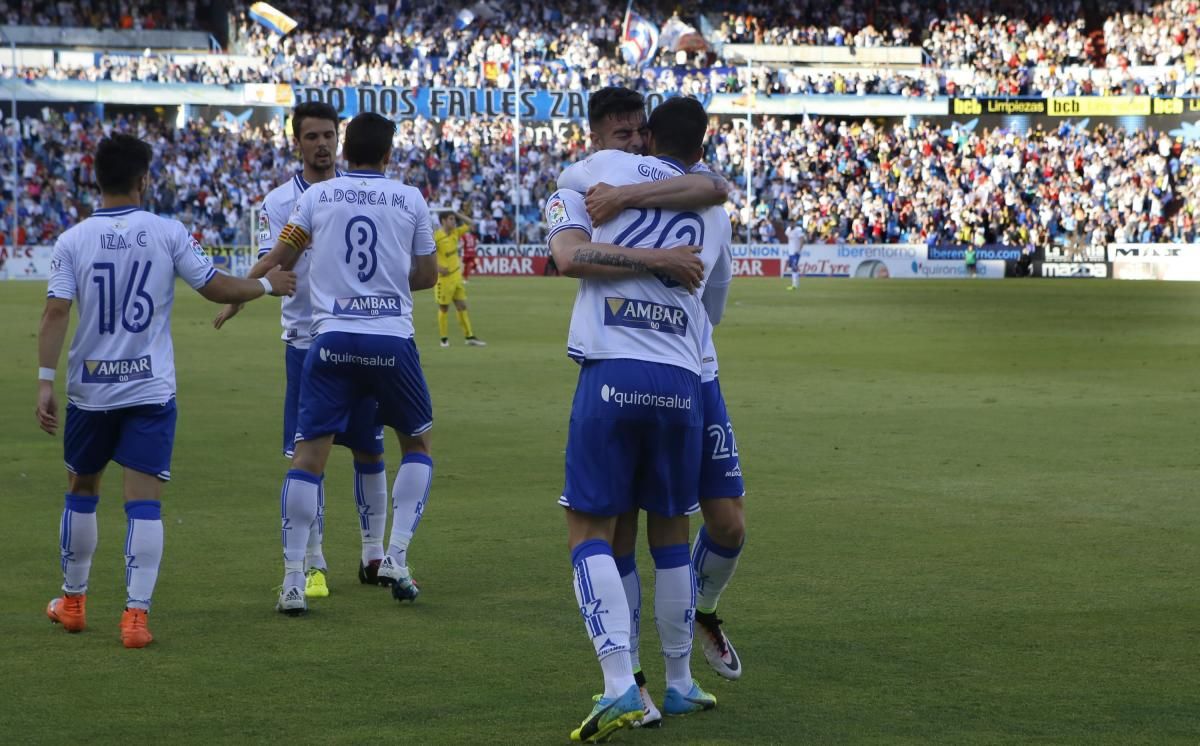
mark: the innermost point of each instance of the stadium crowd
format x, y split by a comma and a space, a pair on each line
1037, 48
841, 181
859, 183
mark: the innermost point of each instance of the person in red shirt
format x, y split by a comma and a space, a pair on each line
468, 242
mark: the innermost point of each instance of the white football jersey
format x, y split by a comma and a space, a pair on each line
296, 311
646, 317
570, 212
365, 230
120, 266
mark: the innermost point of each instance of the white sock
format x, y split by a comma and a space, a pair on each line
314, 553
298, 504
795, 279
674, 609
409, 495
77, 537
627, 567
714, 566
143, 551
601, 598
370, 495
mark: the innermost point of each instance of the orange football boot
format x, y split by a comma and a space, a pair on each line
69, 611
134, 633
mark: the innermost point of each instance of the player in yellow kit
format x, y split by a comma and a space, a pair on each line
450, 286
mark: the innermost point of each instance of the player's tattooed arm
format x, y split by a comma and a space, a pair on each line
565, 247
576, 256
689, 192
592, 255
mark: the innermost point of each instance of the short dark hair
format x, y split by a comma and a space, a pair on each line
613, 100
678, 126
312, 110
120, 161
368, 138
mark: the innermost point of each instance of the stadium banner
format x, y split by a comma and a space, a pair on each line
881, 261
1100, 106
108, 92
1171, 261
268, 94
976, 107
1167, 106
541, 105
1076, 106
1071, 270
1178, 117
758, 259
749, 260
25, 262
988, 252
507, 260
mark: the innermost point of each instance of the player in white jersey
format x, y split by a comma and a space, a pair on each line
796, 238
314, 126
638, 337
371, 245
121, 264
720, 540
718, 545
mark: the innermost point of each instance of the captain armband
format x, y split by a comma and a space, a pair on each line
294, 235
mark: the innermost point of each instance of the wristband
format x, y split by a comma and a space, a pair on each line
46, 374
266, 285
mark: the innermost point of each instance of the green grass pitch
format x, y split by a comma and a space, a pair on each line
973, 518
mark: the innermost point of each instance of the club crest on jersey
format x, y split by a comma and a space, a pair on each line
117, 371
644, 314
556, 211
368, 306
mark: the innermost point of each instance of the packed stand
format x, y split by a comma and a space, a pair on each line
841, 181
104, 14
856, 183
973, 48
209, 176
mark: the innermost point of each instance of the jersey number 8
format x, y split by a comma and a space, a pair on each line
361, 237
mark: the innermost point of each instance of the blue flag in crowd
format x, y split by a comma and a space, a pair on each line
640, 41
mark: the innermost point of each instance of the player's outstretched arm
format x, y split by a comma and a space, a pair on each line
689, 192
51, 335
577, 256
260, 269
229, 289
292, 242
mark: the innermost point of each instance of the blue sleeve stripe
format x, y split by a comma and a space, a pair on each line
263, 252
212, 272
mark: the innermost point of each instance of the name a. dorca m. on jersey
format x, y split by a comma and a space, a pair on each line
362, 197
